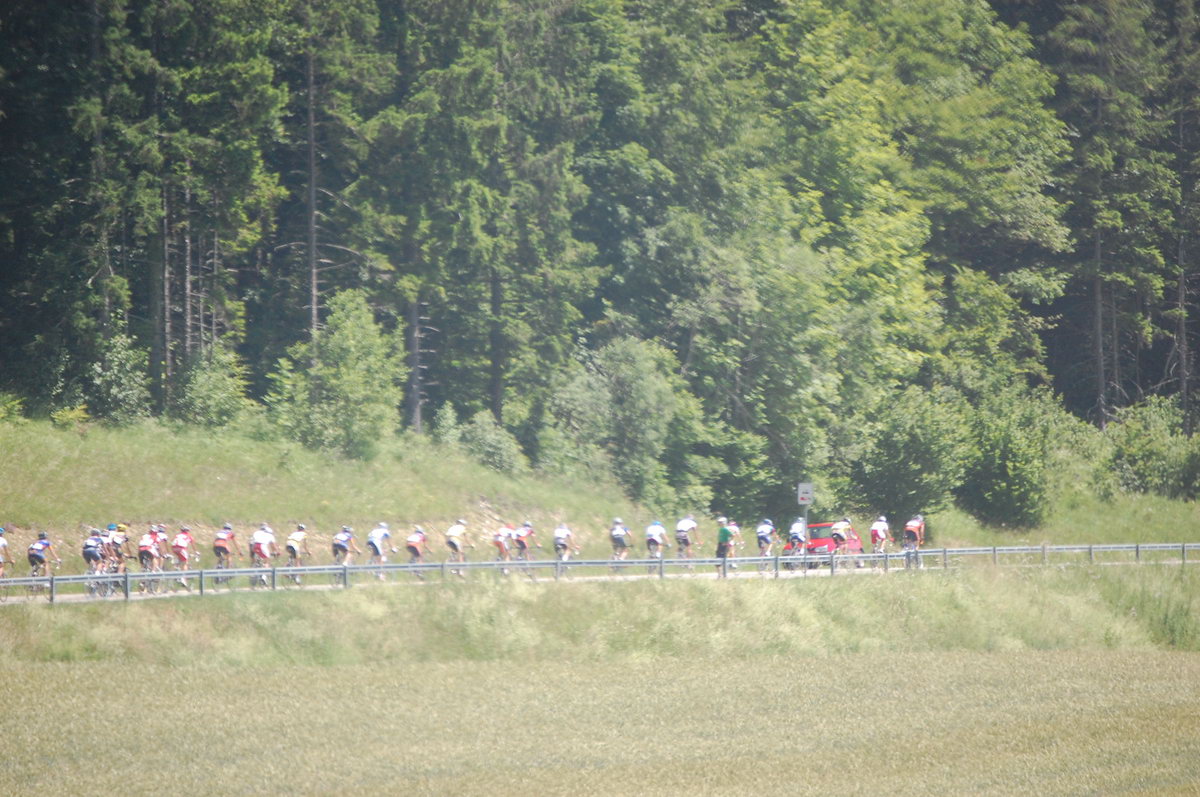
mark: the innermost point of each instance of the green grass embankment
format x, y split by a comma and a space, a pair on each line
65, 481
964, 610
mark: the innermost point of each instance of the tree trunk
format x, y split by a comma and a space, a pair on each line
416, 387
313, 279
1098, 343
496, 347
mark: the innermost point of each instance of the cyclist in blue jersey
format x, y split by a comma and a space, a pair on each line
39, 551
344, 546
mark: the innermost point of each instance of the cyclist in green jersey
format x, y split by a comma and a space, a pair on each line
727, 534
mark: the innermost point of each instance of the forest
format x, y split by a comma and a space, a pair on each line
901, 248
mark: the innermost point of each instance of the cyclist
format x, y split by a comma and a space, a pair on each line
148, 552
183, 546
417, 545
95, 550
914, 538
379, 544
502, 539
684, 530
727, 536
656, 539
344, 546
840, 532
221, 542
564, 542
881, 535
39, 550
118, 546
159, 533
4, 556
297, 545
522, 537
262, 546
767, 535
619, 534
456, 538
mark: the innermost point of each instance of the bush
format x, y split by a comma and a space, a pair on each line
1150, 454
11, 408
341, 392
446, 429
213, 389
915, 453
492, 445
119, 390
1006, 476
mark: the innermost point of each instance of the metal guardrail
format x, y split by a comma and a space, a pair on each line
201, 582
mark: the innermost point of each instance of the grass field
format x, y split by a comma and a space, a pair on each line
1053, 681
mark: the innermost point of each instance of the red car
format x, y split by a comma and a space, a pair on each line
821, 543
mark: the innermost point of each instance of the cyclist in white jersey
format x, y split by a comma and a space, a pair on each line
297, 545
656, 539
564, 542
685, 536
379, 544
4, 556
767, 535
619, 536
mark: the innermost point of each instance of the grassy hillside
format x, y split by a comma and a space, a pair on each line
66, 480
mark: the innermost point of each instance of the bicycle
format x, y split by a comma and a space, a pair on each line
295, 579
259, 580
224, 562
35, 590
526, 555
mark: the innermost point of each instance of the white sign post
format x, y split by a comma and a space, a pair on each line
804, 497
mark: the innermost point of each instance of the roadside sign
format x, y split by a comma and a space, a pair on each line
804, 493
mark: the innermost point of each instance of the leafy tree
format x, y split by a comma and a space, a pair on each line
1006, 480
119, 392
914, 455
213, 388
344, 394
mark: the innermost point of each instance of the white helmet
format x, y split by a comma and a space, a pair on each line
882, 519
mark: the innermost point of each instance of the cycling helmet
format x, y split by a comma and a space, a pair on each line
845, 520
122, 527
301, 527
228, 527
462, 522
347, 528
616, 520
882, 519
112, 526
722, 519
42, 535
383, 525
1, 532
185, 528
767, 522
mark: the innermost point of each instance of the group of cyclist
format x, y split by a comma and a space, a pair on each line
109, 549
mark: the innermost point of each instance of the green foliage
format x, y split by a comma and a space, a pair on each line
1149, 454
70, 417
446, 429
491, 444
1006, 482
915, 453
340, 392
213, 389
119, 390
11, 408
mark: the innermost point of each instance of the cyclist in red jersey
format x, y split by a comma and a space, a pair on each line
223, 541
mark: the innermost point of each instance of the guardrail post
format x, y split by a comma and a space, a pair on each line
53, 588
1092, 554
945, 560
995, 557
1183, 553
776, 565
725, 564
201, 583
887, 557
832, 564
1137, 552
126, 584
1045, 556
557, 569
272, 576
662, 565
345, 576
